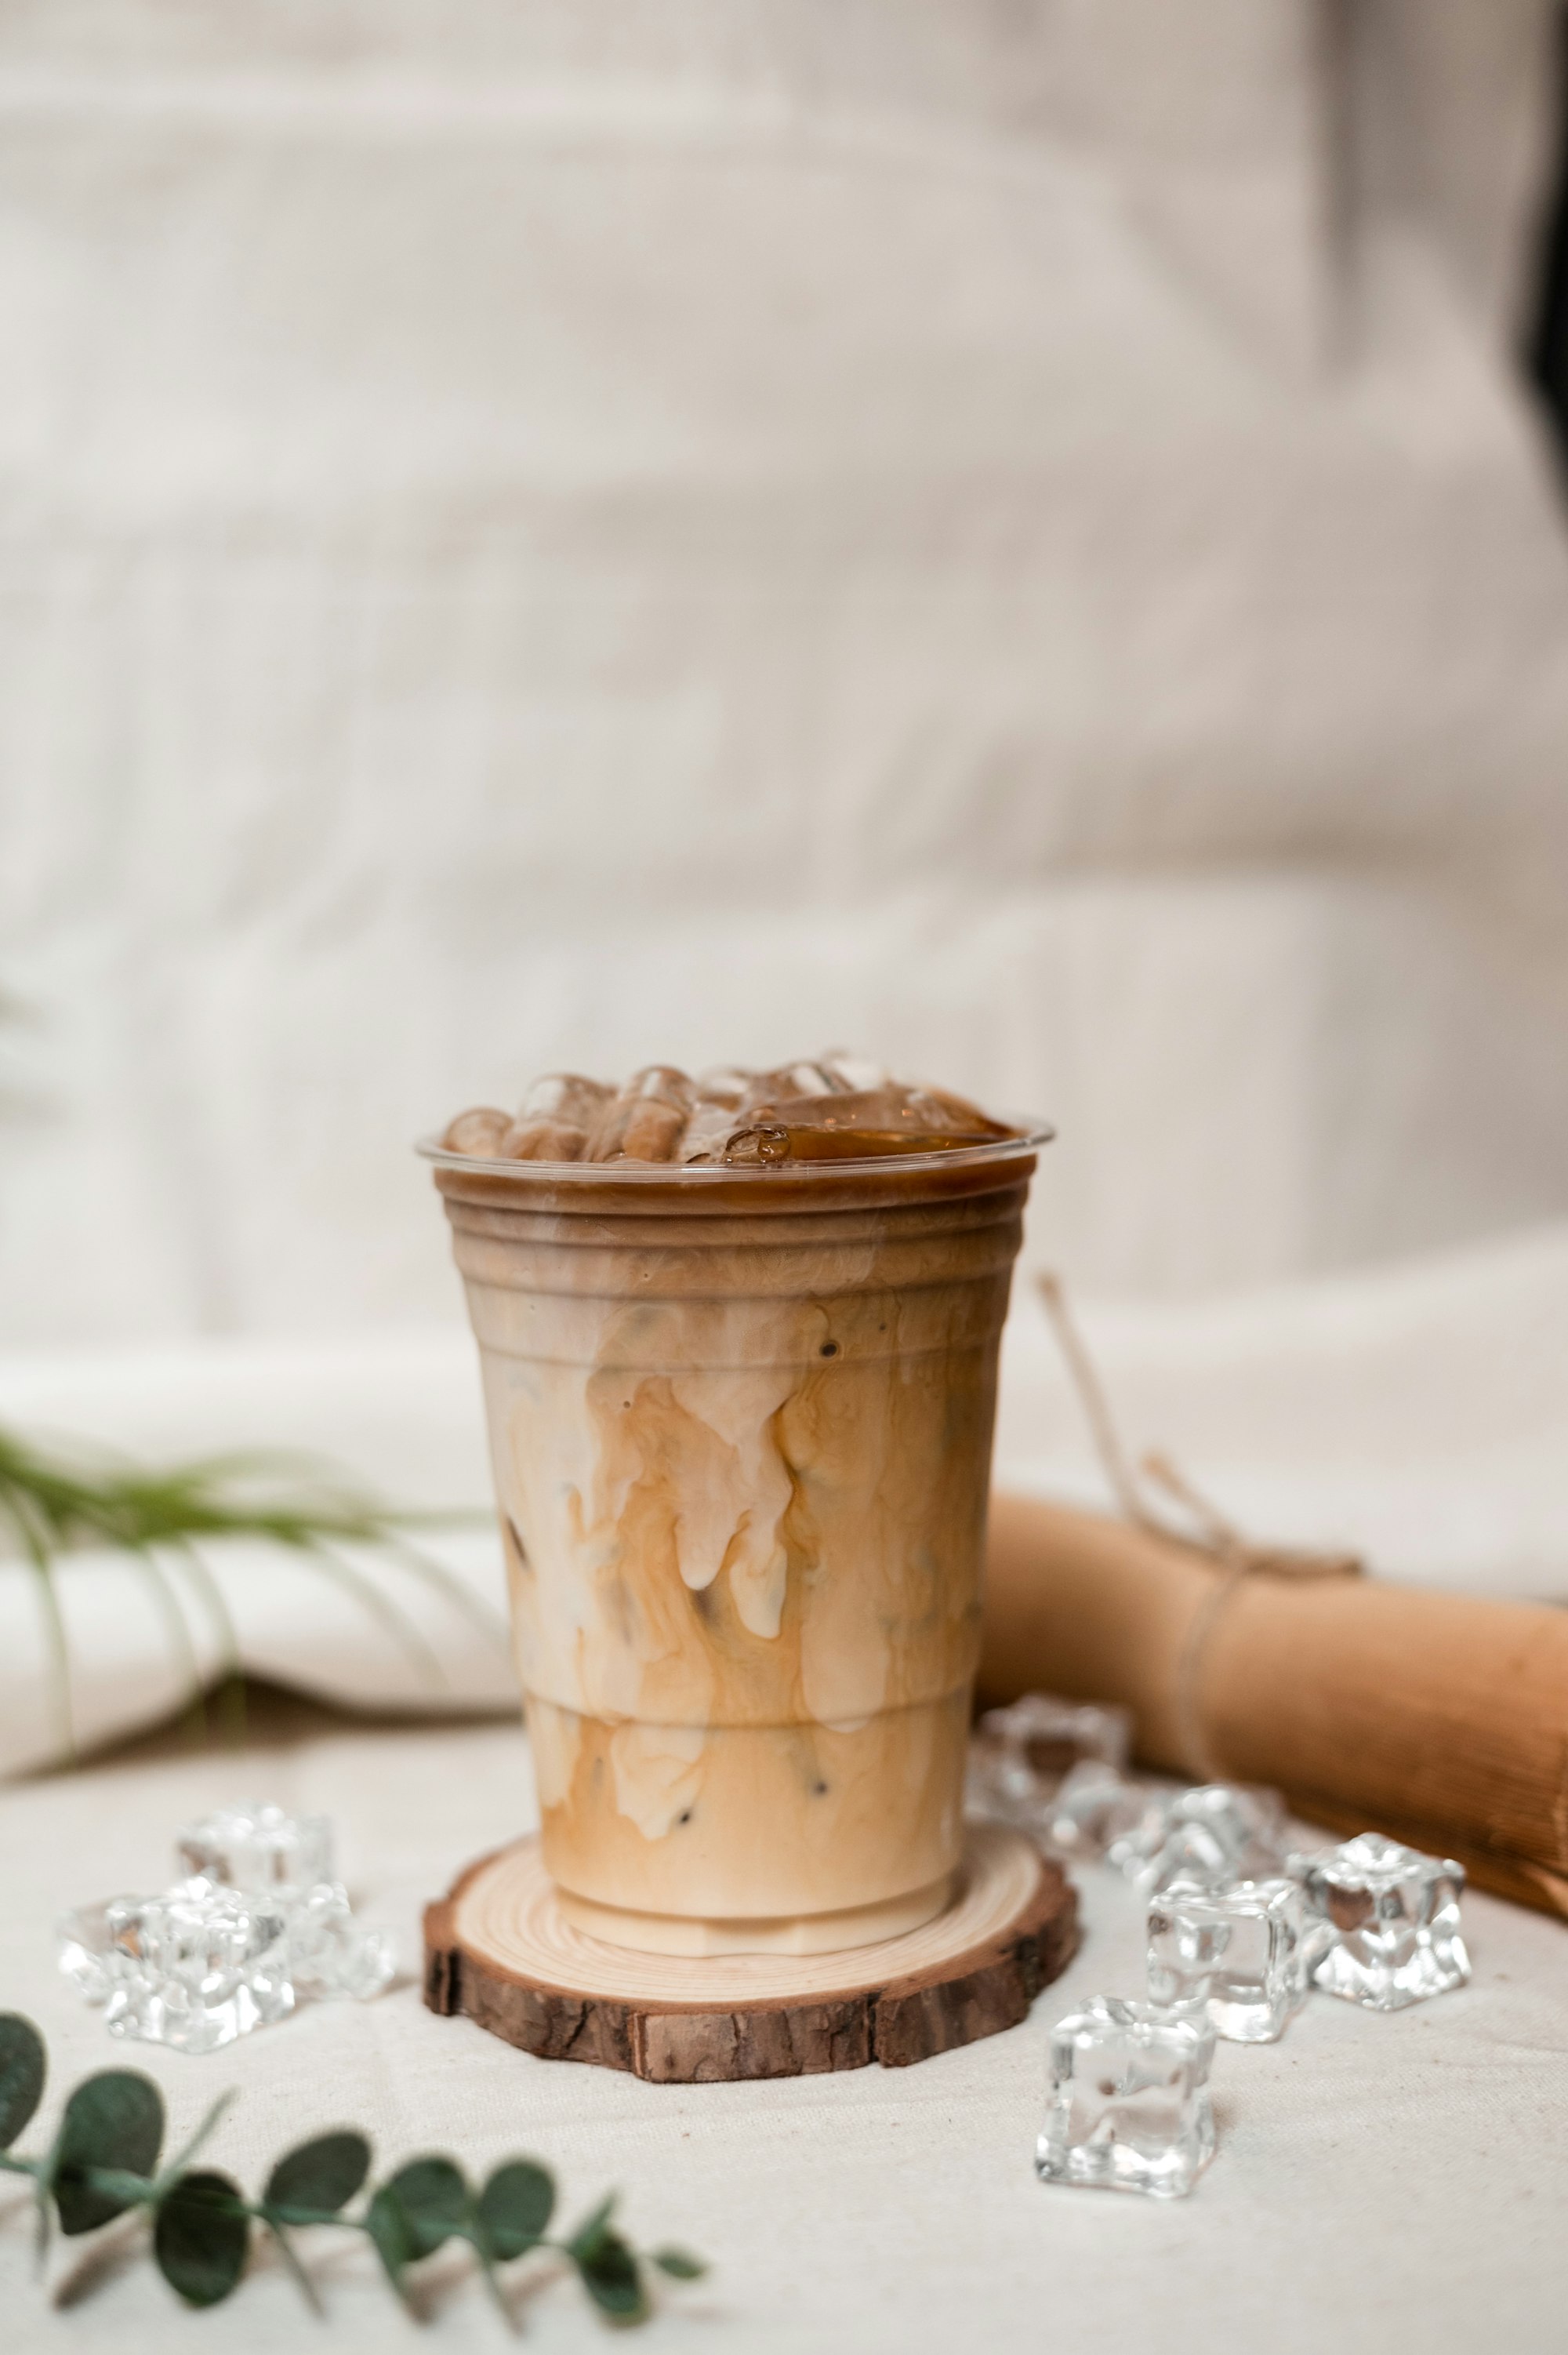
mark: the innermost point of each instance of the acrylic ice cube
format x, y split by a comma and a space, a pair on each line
1214, 1832
232, 1948
1384, 1923
1237, 1953
84, 1943
1095, 1810
262, 1847
195, 1968
1129, 2099
1050, 1736
1023, 1758
329, 1953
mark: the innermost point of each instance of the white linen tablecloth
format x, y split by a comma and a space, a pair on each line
1380, 2183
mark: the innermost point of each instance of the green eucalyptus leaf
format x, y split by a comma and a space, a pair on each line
385, 2222
590, 2231
112, 2120
23, 2066
515, 2208
431, 2199
612, 2278
679, 2264
319, 2177
201, 2236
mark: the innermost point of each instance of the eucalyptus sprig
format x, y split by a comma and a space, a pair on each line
103, 2163
52, 1504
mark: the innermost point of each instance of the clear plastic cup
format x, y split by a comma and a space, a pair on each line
740, 1423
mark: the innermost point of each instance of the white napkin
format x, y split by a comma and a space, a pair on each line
399, 1415
142, 1637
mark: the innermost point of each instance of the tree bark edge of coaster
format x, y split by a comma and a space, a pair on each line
497, 1952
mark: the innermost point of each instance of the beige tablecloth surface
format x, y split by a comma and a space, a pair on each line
1381, 2182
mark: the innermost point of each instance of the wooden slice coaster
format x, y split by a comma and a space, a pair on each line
499, 1949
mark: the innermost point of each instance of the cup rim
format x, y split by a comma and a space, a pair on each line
1029, 1134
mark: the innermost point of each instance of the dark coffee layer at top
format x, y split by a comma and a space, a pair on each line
837, 1108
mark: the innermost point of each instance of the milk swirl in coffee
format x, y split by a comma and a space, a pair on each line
739, 1337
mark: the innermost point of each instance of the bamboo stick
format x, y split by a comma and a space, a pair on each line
1440, 1719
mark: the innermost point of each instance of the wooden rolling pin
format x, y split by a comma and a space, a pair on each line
1439, 1719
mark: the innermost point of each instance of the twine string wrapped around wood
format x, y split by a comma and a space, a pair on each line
1141, 1492
1440, 1719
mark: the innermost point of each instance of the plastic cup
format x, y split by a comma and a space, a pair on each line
740, 1423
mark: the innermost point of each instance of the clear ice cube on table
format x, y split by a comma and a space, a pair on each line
259, 1922
1237, 1953
1050, 1736
330, 1954
1024, 1759
998, 1783
84, 1943
1095, 1810
1129, 2099
196, 1966
258, 1847
1382, 1923
1216, 1832
1140, 1834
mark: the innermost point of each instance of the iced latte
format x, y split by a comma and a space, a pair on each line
739, 1344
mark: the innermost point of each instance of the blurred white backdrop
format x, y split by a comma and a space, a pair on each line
1005, 532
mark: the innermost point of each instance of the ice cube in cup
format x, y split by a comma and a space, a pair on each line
793, 1081
715, 1116
1130, 2107
870, 1124
481, 1132
555, 1118
646, 1120
851, 1072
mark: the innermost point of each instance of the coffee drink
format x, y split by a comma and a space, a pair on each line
739, 1343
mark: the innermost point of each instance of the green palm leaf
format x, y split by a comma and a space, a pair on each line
53, 1504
